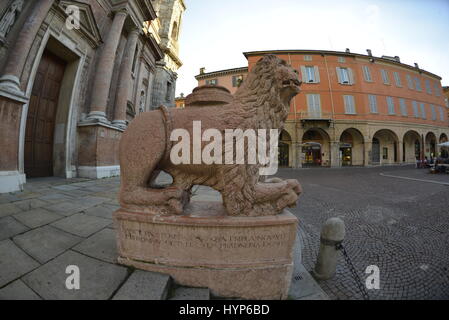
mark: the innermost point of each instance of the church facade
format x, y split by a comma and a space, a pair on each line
73, 75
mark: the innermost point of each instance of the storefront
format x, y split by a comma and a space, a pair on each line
346, 154
311, 154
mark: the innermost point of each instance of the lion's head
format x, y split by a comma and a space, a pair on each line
272, 75
268, 90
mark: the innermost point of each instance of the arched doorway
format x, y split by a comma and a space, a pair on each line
351, 148
430, 142
411, 147
284, 149
384, 147
315, 148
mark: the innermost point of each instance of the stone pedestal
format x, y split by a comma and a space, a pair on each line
240, 257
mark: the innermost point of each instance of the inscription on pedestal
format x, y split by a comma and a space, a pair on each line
271, 240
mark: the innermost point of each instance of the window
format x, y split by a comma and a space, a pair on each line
441, 113
390, 104
403, 107
237, 81
168, 93
433, 112
212, 82
423, 111
415, 109
437, 89
349, 104
341, 60
345, 76
428, 88
307, 58
367, 74
385, 78
310, 74
314, 105
418, 84
372, 103
409, 81
397, 79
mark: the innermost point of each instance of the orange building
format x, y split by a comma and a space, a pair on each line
180, 102
356, 109
231, 79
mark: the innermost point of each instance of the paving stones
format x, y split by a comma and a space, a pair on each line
101, 245
37, 217
103, 211
8, 209
81, 224
17, 290
98, 280
46, 242
9, 227
30, 204
13, 262
144, 285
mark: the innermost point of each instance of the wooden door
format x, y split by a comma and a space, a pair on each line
41, 116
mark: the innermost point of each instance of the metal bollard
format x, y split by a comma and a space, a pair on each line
332, 234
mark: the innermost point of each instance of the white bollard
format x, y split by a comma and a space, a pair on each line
332, 234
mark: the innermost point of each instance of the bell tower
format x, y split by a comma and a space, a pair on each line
166, 30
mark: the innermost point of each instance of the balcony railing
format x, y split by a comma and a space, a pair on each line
306, 115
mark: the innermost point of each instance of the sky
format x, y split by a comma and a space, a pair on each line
215, 33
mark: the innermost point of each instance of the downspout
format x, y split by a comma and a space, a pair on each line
332, 101
296, 153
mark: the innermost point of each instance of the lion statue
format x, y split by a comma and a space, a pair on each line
261, 102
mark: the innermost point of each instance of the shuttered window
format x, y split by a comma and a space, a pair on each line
437, 89
403, 107
390, 104
314, 105
385, 77
372, 103
423, 111
441, 114
397, 79
428, 88
345, 76
367, 74
415, 109
418, 84
310, 74
349, 104
409, 81
433, 112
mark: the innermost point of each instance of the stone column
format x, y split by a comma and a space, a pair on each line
400, 151
368, 145
105, 66
10, 80
335, 154
125, 81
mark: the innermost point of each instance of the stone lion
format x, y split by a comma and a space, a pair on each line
262, 102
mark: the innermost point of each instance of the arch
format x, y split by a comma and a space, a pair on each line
385, 147
430, 150
412, 146
443, 138
352, 147
316, 147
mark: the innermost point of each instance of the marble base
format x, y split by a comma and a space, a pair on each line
235, 257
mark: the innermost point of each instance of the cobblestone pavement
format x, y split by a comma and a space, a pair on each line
400, 225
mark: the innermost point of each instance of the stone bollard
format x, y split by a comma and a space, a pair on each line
332, 233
